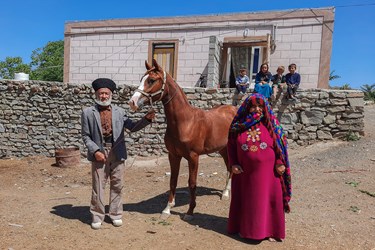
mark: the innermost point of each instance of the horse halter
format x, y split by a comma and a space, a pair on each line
149, 96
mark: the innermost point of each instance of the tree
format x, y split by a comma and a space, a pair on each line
369, 91
332, 76
13, 65
345, 86
48, 62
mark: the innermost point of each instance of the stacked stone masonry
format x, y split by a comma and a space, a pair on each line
38, 117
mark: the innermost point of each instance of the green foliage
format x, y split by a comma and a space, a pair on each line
160, 222
164, 223
332, 76
354, 209
352, 183
345, 86
48, 62
13, 65
369, 91
355, 184
352, 136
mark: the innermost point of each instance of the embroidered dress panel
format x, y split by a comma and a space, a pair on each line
253, 141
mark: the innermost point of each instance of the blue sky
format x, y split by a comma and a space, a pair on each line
26, 25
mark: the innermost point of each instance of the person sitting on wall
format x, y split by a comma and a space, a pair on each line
242, 82
262, 81
278, 80
293, 80
103, 134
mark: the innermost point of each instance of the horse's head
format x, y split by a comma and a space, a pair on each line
151, 88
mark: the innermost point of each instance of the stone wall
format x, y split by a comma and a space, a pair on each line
38, 117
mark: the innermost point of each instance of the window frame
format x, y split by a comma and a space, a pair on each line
174, 42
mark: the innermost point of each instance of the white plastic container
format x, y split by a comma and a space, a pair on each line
21, 77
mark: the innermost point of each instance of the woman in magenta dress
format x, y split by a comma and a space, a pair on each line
261, 183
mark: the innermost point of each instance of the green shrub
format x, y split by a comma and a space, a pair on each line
352, 136
369, 91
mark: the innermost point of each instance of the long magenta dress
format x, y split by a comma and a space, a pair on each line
256, 208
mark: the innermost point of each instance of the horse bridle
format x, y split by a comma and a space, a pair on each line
149, 96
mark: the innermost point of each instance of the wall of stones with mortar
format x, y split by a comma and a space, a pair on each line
38, 117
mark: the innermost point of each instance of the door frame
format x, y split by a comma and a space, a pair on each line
263, 42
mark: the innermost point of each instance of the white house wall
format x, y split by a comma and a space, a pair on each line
119, 52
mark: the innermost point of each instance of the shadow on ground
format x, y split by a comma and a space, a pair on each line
69, 211
150, 206
157, 203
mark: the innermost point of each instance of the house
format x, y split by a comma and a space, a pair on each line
205, 50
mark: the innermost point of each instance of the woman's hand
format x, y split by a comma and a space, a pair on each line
280, 169
236, 169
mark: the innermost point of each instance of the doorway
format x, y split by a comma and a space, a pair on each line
238, 53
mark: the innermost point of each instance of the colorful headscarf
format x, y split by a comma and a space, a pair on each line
244, 119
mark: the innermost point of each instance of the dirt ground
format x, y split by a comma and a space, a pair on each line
333, 203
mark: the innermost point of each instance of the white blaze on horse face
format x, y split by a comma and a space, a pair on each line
137, 95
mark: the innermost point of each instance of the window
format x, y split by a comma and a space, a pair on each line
165, 53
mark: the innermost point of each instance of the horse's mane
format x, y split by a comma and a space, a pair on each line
178, 88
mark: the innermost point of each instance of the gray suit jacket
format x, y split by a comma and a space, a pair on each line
92, 131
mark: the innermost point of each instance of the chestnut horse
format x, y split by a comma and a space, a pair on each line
190, 131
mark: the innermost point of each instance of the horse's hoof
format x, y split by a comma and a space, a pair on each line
188, 217
164, 216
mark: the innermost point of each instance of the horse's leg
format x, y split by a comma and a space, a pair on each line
193, 173
226, 192
174, 162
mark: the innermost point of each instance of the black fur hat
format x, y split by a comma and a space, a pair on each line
104, 83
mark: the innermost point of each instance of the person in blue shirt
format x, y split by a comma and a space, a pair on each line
293, 80
242, 82
262, 81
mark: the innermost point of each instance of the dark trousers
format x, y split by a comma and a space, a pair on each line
291, 90
241, 89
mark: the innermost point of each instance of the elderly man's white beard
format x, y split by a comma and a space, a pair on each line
105, 103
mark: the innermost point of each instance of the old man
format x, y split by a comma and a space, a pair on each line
103, 126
